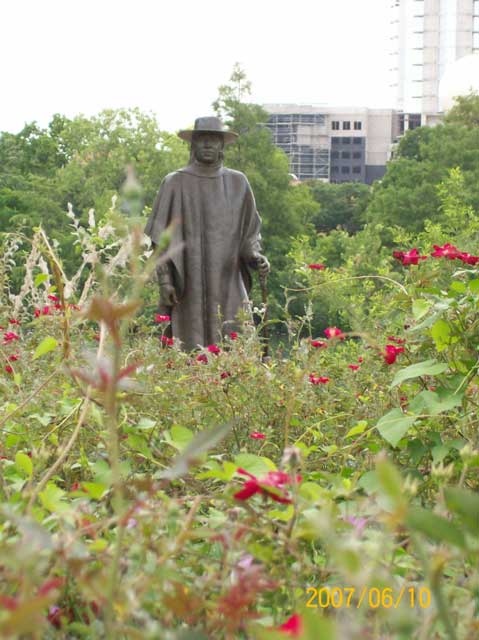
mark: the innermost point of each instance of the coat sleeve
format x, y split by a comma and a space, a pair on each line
251, 236
166, 210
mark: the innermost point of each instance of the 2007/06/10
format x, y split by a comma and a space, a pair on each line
337, 597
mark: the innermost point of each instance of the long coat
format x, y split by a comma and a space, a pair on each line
219, 225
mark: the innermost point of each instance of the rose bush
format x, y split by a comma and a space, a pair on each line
151, 493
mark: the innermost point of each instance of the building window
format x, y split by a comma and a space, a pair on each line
346, 125
356, 169
335, 140
345, 170
345, 154
334, 155
414, 120
356, 155
335, 125
334, 169
358, 125
358, 140
346, 140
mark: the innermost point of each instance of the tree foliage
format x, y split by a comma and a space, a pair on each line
342, 204
465, 111
408, 193
82, 161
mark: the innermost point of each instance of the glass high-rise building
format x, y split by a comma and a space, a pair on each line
426, 36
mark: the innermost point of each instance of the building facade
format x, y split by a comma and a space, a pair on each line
426, 36
334, 144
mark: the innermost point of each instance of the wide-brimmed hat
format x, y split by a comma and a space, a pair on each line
208, 124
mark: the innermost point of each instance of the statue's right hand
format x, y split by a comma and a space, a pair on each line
168, 295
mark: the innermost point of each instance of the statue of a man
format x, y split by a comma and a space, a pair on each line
207, 282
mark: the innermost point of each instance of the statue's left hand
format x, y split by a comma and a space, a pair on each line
260, 262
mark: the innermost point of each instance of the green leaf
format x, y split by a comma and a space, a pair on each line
39, 278
426, 368
416, 450
394, 425
369, 481
465, 504
46, 345
390, 481
458, 286
102, 472
420, 308
360, 427
139, 443
432, 403
439, 452
427, 322
43, 418
330, 449
225, 473
145, 423
100, 544
312, 492
200, 444
96, 490
52, 498
474, 286
24, 463
257, 465
435, 527
441, 334
284, 515
179, 437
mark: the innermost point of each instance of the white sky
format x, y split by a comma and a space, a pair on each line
170, 56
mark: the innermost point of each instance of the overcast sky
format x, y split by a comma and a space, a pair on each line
170, 56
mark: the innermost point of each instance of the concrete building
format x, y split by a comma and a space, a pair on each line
426, 37
334, 144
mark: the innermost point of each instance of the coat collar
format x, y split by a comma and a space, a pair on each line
203, 171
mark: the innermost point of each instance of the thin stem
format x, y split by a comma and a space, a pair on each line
28, 398
373, 277
436, 590
111, 407
61, 458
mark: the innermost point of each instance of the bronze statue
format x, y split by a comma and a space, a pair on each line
206, 283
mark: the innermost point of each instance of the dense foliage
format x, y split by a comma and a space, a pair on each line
407, 195
327, 491
341, 205
151, 493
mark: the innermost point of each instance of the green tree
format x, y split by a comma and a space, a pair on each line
100, 148
408, 193
465, 111
81, 161
341, 205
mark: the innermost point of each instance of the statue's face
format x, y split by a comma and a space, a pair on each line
207, 147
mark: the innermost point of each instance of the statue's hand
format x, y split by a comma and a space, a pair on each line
260, 262
168, 295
